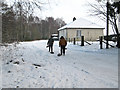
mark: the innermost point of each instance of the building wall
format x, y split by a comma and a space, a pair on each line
62, 33
89, 34
92, 34
71, 33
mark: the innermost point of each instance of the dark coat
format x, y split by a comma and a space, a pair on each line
50, 42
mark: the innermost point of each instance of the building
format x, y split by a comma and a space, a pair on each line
81, 27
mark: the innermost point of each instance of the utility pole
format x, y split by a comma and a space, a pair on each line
107, 32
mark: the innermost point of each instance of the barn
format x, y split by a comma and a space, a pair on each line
81, 27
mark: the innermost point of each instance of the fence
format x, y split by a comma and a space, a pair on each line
80, 41
77, 40
101, 39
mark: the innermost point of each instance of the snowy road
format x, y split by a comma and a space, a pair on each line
30, 65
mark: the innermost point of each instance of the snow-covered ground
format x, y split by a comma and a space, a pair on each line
30, 65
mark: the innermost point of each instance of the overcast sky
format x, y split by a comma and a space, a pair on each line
67, 9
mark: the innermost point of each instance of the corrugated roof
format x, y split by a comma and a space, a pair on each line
81, 23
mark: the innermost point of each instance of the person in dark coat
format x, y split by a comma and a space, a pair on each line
62, 44
50, 44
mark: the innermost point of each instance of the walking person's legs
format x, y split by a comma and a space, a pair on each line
51, 48
61, 50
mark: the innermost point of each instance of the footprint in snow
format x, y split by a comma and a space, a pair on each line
66, 79
36, 65
17, 86
11, 60
85, 71
57, 59
9, 71
16, 62
23, 60
7, 63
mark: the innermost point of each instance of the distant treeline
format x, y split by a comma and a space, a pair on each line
18, 25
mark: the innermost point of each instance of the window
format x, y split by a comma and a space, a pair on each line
78, 33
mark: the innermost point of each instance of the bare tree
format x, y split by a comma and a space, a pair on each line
20, 24
99, 9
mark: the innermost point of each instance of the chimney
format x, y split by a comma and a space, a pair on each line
74, 19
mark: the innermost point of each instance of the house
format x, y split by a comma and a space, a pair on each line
81, 27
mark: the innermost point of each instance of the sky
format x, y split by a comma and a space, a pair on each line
67, 9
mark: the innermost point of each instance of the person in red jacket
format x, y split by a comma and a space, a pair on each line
62, 44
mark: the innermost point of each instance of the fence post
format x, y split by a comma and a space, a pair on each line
69, 39
101, 40
82, 40
74, 42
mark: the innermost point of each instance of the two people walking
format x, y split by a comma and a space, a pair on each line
62, 45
